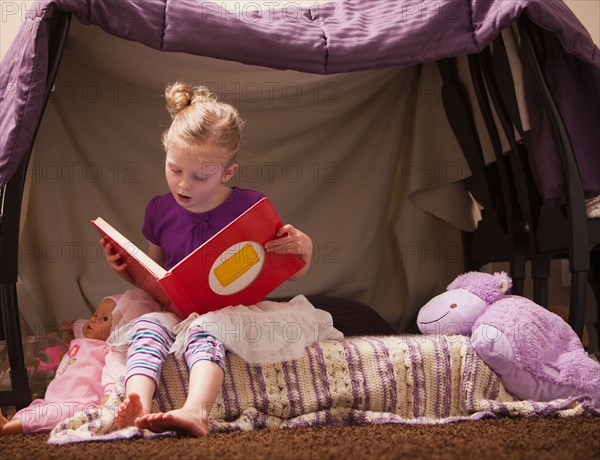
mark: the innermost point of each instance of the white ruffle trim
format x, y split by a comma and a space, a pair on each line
264, 333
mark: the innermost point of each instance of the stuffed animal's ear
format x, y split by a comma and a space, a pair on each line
503, 281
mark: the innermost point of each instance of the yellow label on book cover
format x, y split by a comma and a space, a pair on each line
236, 265
236, 268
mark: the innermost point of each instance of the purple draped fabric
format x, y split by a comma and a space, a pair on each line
345, 36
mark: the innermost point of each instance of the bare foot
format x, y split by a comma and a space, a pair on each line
129, 410
3, 422
9, 426
182, 421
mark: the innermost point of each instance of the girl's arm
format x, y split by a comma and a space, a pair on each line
156, 253
290, 240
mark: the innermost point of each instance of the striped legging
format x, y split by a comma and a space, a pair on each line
151, 342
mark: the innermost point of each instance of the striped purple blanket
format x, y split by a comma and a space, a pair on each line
362, 380
356, 381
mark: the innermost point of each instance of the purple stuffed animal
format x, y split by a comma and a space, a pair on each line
535, 352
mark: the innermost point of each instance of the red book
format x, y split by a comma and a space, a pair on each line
231, 268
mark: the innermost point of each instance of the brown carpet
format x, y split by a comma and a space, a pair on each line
505, 438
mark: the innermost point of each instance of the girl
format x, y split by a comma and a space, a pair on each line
89, 370
201, 147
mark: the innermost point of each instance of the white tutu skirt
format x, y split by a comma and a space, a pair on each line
267, 332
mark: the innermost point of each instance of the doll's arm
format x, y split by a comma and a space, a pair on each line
72, 328
104, 399
115, 366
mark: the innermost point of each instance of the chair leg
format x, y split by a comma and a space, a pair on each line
594, 280
577, 306
540, 273
20, 395
518, 286
540, 291
517, 273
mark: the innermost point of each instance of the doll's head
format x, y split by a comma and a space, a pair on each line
201, 146
466, 298
117, 311
100, 324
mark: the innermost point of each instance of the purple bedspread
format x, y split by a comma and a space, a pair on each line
342, 36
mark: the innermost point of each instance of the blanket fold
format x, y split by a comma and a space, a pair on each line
98, 423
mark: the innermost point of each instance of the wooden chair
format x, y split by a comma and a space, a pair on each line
500, 235
554, 231
11, 197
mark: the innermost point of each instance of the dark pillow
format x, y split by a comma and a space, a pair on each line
349, 316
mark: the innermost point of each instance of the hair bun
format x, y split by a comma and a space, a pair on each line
203, 94
181, 95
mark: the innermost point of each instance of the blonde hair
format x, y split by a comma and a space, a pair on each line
199, 118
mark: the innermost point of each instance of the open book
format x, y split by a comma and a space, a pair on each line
231, 268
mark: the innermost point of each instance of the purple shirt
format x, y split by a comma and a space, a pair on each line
179, 231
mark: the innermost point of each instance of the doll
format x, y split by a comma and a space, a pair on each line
89, 370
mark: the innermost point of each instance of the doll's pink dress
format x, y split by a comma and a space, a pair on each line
80, 382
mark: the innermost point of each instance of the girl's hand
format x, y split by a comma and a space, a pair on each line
112, 257
290, 240
114, 260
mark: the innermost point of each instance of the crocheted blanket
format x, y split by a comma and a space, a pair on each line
362, 380
356, 381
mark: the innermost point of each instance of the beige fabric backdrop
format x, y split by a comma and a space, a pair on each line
365, 163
